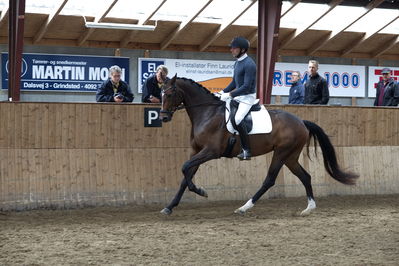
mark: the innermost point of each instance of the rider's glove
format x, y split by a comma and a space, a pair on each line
225, 96
218, 94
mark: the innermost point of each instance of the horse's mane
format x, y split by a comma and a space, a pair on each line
199, 86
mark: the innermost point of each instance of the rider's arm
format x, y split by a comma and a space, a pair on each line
230, 87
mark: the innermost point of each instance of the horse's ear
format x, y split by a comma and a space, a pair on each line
174, 79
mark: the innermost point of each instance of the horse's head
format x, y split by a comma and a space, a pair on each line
172, 97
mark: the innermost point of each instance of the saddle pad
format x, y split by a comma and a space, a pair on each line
261, 120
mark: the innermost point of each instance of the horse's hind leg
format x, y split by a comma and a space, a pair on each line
275, 166
305, 178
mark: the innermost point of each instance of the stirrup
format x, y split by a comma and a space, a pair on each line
244, 155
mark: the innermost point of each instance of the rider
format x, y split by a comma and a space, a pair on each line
242, 89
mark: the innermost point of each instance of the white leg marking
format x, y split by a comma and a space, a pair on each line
245, 207
310, 208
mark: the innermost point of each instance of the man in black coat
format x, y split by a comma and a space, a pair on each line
387, 93
152, 86
316, 87
114, 89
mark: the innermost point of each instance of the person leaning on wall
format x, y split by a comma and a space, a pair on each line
297, 91
114, 89
152, 86
387, 93
316, 87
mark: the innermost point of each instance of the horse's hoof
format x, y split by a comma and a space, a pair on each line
239, 211
203, 193
307, 211
166, 211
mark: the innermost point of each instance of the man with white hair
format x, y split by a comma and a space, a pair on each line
114, 89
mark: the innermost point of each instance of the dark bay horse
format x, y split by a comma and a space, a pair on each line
209, 140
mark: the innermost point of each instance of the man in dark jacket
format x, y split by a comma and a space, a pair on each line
316, 88
387, 93
152, 86
297, 91
114, 89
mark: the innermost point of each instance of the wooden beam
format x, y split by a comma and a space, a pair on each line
50, 19
98, 18
293, 4
385, 47
144, 20
183, 26
333, 4
4, 16
253, 37
365, 37
334, 33
210, 39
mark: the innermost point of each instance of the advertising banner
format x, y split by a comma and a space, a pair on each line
375, 76
214, 75
343, 80
50, 72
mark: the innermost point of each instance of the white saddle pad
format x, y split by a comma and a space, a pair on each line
261, 121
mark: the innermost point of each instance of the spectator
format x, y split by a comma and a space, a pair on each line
297, 91
316, 88
152, 86
114, 89
387, 93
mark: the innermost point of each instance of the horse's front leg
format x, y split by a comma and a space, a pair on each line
189, 169
178, 196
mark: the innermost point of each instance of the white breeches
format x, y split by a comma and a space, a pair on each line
246, 102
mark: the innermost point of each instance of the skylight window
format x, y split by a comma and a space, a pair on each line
302, 14
338, 18
392, 28
374, 20
85, 7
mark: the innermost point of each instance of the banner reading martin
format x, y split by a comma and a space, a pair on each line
343, 80
64, 72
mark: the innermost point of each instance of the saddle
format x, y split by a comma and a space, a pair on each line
247, 119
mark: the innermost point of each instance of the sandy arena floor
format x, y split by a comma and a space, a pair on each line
344, 230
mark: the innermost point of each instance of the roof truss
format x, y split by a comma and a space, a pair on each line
183, 25
300, 31
365, 37
210, 39
386, 46
42, 31
333, 34
142, 21
98, 18
293, 4
4, 16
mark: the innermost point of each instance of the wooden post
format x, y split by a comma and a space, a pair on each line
268, 26
16, 20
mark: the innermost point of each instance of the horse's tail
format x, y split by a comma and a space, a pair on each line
329, 156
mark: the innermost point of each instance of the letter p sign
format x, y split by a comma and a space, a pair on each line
151, 117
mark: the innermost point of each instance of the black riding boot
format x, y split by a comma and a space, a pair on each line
246, 151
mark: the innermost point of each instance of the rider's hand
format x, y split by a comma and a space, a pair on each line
217, 94
225, 96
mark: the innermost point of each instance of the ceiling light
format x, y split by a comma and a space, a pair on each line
119, 26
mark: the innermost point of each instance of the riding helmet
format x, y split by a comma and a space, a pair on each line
240, 42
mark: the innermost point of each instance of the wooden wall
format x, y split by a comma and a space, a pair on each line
62, 155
